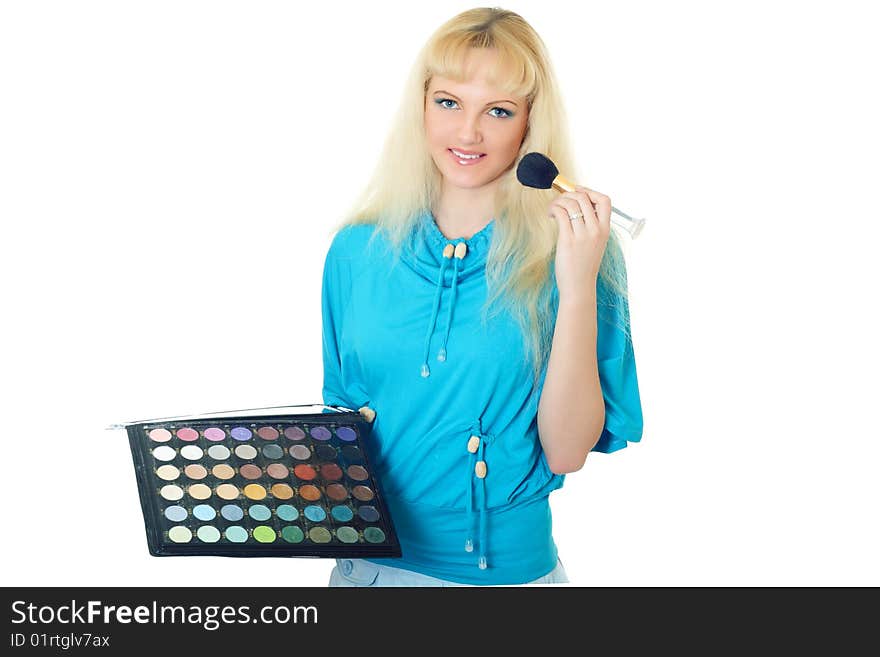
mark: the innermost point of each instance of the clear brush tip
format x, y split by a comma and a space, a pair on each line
629, 224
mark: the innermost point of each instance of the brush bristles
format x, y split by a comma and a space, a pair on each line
536, 170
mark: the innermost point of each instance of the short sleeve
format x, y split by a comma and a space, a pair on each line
617, 373
336, 289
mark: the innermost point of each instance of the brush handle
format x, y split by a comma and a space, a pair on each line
627, 223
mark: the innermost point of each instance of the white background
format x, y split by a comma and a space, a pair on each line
170, 173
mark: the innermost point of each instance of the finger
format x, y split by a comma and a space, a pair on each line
585, 207
572, 207
566, 232
601, 202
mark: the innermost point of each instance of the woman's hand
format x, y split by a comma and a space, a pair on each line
581, 241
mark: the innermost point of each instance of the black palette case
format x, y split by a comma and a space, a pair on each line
280, 484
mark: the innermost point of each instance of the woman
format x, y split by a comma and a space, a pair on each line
483, 325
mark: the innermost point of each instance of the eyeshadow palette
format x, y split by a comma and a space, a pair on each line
260, 486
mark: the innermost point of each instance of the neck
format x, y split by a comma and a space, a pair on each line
463, 212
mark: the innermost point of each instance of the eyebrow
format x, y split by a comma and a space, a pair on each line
493, 102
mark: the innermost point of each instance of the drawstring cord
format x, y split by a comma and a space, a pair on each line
447, 255
472, 462
480, 471
477, 468
460, 251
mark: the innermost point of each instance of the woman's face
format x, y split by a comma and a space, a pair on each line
473, 119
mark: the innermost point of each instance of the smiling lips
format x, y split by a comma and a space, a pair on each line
466, 158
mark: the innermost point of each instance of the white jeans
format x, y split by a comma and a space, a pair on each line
360, 572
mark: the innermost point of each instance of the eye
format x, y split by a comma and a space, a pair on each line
505, 113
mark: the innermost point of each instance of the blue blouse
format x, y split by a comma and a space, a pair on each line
454, 399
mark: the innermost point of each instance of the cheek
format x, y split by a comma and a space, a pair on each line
434, 126
512, 139
520, 132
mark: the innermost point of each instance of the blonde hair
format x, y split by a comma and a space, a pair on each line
519, 268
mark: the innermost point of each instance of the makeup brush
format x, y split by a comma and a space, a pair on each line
538, 171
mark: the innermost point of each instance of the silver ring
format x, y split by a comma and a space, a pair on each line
576, 215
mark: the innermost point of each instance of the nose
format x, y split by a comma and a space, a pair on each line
469, 129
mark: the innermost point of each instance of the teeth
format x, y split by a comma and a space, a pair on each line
463, 156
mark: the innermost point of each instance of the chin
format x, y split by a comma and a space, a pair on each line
469, 184
466, 180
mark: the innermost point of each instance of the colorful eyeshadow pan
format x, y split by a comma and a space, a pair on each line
164, 453
226, 492
310, 493
192, 452
268, 433
374, 535
336, 492
363, 493
175, 513
241, 433
199, 491
171, 492
314, 513
264, 534
281, 491
236, 534
300, 453
245, 452
305, 472
195, 471
167, 472
259, 512
319, 535
277, 471
368, 513
204, 512
287, 512
342, 513
219, 452
208, 534
331, 472
250, 471
180, 534
188, 434
352, 454
347, 534
254, 491
358, 473
223, 471
274, 485
160, 435
292, 534
273, 451
231, 512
